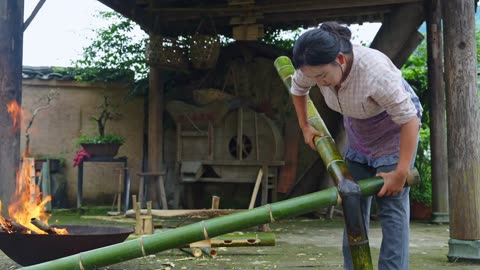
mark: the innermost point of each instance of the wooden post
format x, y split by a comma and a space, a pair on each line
155, 126
463, 129
438, 138
11, 46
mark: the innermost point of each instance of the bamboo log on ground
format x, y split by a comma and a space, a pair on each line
349, 190
238, 240
211, 252
194, 252
244, 240
207, 229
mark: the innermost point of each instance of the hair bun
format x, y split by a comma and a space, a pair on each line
337, 29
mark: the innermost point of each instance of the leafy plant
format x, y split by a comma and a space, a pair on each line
107, 112
415, 72
422, 192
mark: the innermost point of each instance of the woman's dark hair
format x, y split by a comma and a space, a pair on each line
321, 45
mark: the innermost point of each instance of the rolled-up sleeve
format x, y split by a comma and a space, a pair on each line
392, 96
300, 84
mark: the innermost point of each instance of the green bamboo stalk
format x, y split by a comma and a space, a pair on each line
348, 189
207, 229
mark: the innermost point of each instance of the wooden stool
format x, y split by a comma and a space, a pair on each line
159, 176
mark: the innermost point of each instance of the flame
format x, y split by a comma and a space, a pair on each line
15, 113
27, 202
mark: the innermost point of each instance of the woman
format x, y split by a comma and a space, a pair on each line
381, 118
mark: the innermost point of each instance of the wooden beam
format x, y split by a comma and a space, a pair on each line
11, 45
463, 125
281, 6
408, 48
398, 28
438, 139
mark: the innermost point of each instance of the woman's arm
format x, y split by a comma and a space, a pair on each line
395, 180
309, 132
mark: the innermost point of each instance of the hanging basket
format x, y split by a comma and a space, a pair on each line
204, 51
205, 47
166, 52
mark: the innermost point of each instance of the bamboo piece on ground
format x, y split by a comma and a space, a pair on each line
195, 252
206, 229
348, 189
215, 202
209, 251
244, 240
238, 240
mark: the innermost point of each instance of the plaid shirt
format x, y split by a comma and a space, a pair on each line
374, 85
375, 101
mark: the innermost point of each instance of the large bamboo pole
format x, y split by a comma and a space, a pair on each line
348, 189
203, 230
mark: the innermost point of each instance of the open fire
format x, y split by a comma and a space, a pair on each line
27, 212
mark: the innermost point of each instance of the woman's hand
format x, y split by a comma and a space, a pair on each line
309, 133
393, 183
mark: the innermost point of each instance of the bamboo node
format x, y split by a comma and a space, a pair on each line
272, 219
80, 265
205, 233
333, 161
142, 247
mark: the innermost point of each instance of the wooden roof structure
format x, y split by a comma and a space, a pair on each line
180, 17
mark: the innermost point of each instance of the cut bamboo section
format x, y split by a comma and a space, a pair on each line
349, 190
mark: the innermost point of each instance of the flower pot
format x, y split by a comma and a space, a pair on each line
101, 149
419, 211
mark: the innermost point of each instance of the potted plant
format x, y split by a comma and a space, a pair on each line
102, 144
421, 193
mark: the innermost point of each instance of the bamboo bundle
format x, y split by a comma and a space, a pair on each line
349, 190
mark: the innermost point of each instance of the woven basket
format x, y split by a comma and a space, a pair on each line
204, 51
166, 52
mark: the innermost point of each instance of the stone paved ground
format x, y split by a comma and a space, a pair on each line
302, 243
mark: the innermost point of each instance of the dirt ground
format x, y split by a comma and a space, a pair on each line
301, 243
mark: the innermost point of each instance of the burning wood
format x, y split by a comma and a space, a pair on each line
42, 226
11, 226
47, 228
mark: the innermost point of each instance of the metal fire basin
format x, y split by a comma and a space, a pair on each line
29, 249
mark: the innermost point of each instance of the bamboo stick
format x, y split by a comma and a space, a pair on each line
348, 189
195, 252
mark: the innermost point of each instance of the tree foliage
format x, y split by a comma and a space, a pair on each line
115, 54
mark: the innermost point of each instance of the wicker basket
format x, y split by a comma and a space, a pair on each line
166, 52
204, 51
